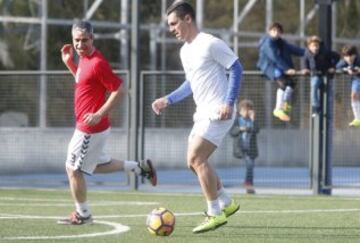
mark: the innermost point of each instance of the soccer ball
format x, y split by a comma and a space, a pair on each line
161, 222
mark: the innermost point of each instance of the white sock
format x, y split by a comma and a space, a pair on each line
83, 209
356, 109
288, 93
279, 99
353, 106
223, 197
132, 166
213, 208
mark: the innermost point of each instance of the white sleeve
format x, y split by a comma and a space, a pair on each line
222, 54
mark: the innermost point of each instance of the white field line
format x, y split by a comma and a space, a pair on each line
99, 204
117, 229
294, 211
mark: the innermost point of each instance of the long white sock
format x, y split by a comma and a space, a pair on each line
288, 94
223, 197
356, 108
83, 209
279, 99
131, 166
213, 208
353, 106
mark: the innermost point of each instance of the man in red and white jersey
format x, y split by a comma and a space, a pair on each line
95, 81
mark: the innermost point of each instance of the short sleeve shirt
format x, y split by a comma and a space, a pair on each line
94, 78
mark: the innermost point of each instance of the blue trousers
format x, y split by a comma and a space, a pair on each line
317, 82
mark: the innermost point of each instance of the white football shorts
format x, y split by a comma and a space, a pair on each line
212, 130
86, 151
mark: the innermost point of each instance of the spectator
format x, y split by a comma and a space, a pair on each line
244, 132
275, 61
351, 65
319, 62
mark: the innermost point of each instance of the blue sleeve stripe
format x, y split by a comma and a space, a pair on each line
183, 91
234, 83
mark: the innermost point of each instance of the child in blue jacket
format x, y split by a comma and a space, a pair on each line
350, 64
275, 62
244, 131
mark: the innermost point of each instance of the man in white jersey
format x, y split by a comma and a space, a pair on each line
205, 59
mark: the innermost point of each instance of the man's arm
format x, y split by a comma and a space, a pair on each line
234, 83
183, 91
226, 109
94, 118
67, 55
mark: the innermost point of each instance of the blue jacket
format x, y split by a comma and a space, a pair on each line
341, 65
276, 54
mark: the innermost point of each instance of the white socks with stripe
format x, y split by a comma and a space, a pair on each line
132, 166
213, 208
224, 198
82, 209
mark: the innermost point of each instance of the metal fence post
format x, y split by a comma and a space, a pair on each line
325, 22
134, 90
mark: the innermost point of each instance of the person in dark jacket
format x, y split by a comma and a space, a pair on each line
244, 132
350, 64
275, 62
319, 62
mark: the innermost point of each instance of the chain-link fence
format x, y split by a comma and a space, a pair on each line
284, 159
25, 145
283, 147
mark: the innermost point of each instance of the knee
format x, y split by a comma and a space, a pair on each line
72, 174
193, 162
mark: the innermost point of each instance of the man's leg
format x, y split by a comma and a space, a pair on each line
143, 168
82, 214
199, 151
77, 185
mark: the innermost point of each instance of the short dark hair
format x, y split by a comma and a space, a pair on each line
181, 8
349, 51
277, 25
83, 26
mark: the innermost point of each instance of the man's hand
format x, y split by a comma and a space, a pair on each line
67, 53
159, 104
92, 119
225, 112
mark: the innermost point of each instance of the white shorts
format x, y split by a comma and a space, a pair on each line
86, 151
213, 131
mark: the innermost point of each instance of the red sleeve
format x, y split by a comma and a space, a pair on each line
107, 77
